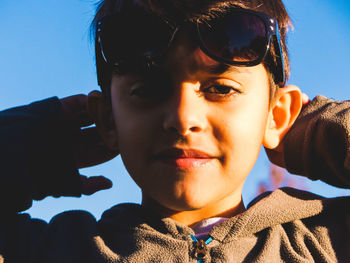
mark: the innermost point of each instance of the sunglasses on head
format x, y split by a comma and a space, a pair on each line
240, 38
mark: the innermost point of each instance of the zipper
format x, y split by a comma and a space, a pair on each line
201, 248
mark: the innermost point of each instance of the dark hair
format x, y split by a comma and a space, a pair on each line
190, 10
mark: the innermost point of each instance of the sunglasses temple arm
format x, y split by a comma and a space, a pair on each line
281, 74
101, 50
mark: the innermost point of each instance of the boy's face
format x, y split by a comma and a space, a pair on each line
189, 137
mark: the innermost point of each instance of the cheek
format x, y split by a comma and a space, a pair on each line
133, 133
240, 135
132, 126
136, 133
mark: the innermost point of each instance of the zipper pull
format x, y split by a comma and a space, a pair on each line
201, 248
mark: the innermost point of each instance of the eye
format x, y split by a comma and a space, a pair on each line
149, 92
139, 90
220, 89
153, 86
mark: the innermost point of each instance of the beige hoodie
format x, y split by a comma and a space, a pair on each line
287, 225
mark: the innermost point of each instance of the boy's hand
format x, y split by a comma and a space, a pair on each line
88, 147
276, 156
93, 184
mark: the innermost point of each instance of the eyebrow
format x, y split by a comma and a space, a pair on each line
220, 68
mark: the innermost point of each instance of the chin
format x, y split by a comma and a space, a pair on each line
181, 206
190, 201
184, 196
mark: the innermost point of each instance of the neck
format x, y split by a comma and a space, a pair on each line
227, 207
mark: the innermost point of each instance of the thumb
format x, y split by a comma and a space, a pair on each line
93, 184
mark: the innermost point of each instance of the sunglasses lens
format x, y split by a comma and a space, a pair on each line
125, 37
240, 37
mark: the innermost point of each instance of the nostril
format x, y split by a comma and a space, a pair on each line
195, 129
182, 130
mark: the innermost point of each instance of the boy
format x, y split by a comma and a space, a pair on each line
191, 90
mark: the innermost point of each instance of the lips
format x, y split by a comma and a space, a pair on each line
184, 158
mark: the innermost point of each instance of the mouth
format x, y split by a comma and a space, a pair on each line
184, 158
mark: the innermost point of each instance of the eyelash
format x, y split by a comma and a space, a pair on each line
220, 92
138, 91
146, 92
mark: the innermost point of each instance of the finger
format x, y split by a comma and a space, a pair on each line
82, 118
91, 136
275, 157
305, 99
73, 103
94, 156
75, 110
90, 150
91, 185
93, 92
85, 137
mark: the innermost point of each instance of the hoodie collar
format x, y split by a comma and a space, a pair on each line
279, 207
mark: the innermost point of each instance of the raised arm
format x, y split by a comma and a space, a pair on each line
318, 144
41, 149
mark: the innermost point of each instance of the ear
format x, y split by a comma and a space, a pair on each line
101, 113
282, 114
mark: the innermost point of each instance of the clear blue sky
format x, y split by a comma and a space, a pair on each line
45, 51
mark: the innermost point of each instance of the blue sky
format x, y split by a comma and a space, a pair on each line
45, 51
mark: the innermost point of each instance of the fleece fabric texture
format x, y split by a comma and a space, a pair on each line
318, 145
287, 225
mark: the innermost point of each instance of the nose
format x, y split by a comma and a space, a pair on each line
185, 110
